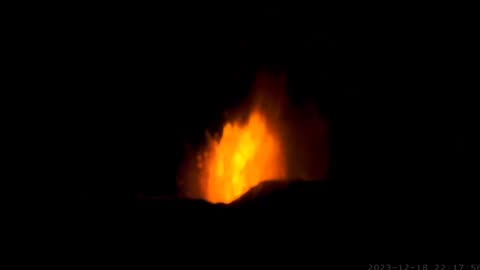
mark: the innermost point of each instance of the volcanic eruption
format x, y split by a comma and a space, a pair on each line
268, 139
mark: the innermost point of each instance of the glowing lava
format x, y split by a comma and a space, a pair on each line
278, 141
245, 155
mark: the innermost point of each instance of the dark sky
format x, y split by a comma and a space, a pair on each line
143, 81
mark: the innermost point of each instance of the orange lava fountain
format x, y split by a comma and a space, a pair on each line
244, 156
277, 142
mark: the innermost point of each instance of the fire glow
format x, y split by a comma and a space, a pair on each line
243, 157
276, 141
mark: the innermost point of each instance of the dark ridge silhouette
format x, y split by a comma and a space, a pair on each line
270, 193
304, 214
281, 193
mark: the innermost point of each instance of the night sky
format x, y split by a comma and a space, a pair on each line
140, 83
119, 90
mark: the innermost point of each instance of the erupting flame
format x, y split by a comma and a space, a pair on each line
277, 142
244, 156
